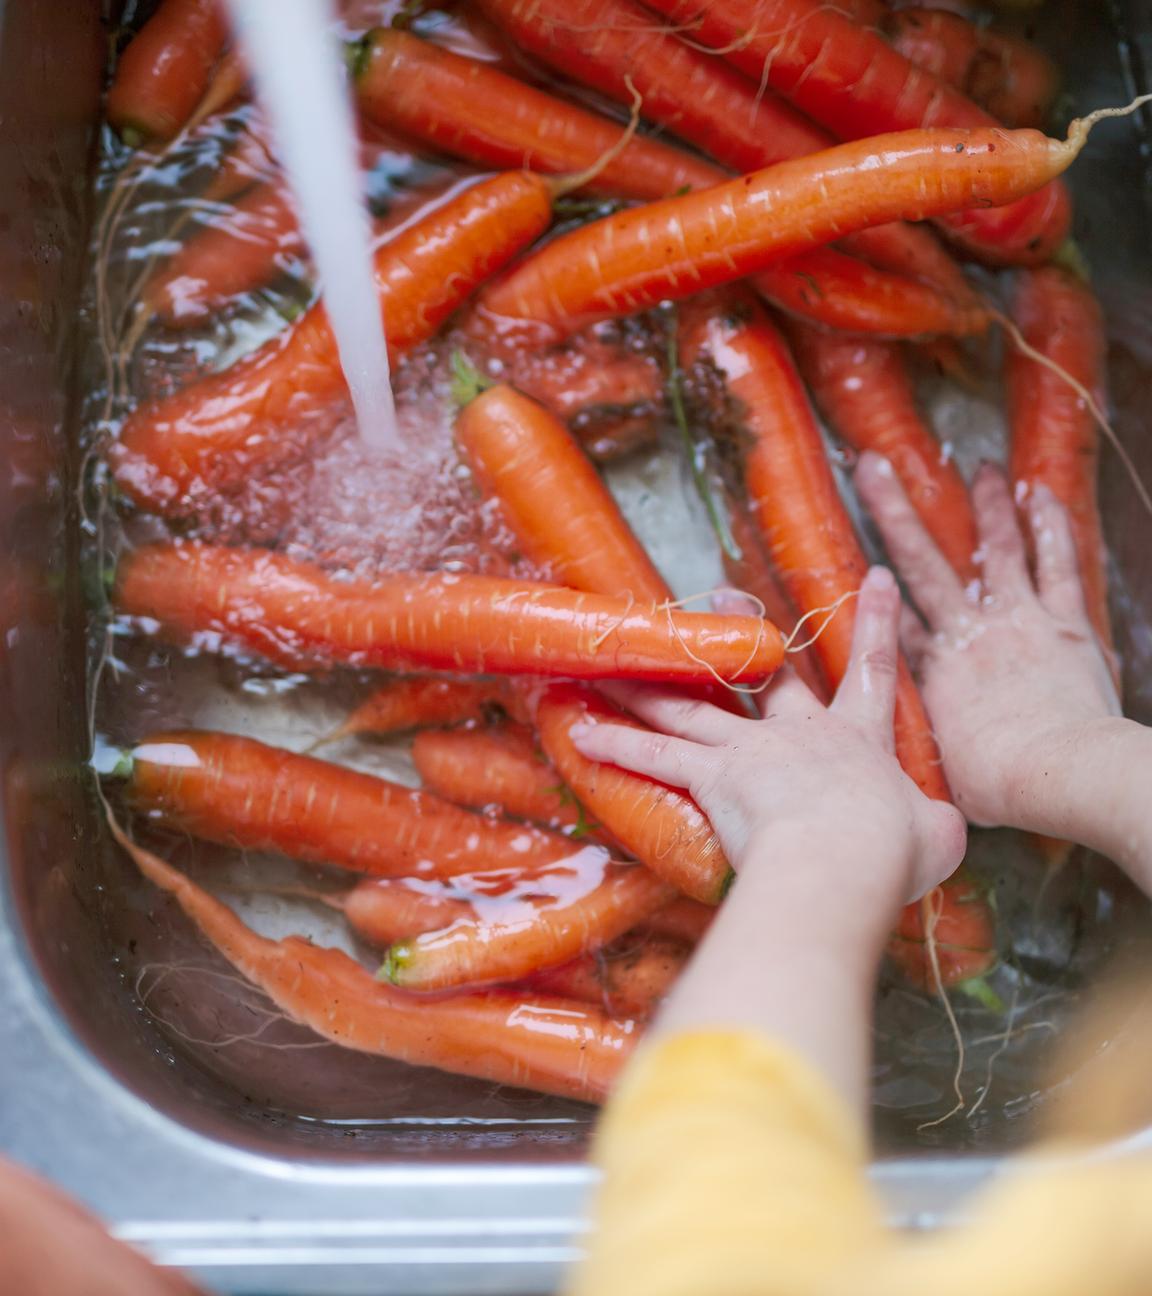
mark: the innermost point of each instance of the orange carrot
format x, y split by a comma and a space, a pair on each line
634, 259
496, 767
916, 252
794, 499
431, 95
228, 82
298, 615
250, 160
530, 934
683, 920
165, 70
537, 1041
382, 910
632, 981
554, 500
663, 827
852, 81
1055, 440
865, 392
1006, 75
182, 450
963, 929
416, 701
617, 47
585, 374
240, 792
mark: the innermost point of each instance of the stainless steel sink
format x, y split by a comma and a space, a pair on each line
268, 1176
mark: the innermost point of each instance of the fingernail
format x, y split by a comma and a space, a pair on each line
581, 729
876, 463
879, 578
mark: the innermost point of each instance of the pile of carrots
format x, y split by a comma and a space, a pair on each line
791, 222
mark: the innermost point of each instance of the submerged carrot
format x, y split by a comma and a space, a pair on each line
683, 920
632, 981
382, 910
663, 827
865, 392
529, 934
634, 259
554, 500
540, 1042
851, 80
1054, 436
178, 452
239, 792
963, 930
431, 95
496, 767
417, 701
297, 614
166, 68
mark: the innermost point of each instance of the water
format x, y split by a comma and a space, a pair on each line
300, 81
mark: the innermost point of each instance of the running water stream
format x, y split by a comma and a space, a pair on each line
300, 82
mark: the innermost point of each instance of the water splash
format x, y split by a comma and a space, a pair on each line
298, 71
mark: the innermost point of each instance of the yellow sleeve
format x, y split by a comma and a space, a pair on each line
730, 1169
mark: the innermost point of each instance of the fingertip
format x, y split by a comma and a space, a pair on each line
879, 580
873, 464
580, 730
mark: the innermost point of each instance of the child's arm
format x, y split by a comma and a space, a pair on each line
828, 836
1019, 690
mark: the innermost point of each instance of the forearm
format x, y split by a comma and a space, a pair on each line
1093, 785
792, 961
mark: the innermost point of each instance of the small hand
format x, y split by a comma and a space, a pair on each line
1010, 673
825, 779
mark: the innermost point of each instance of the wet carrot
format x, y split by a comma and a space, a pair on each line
417, 701
239, 792
630, 982
851, 80
865, 392
916, 252
540, 1042
634, 259
664, 828
963, 929
793, 497
382, 910
430, 95
298, 615
1006, 75
165, 70
1054, 436
499, 767
553, 499
618, 47
683, 920
528, 935
177, 452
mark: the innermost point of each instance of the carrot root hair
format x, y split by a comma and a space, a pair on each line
931, 906
567, 184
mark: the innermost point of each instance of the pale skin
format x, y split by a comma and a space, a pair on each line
828, 837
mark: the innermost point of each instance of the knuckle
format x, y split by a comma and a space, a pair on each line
879, 662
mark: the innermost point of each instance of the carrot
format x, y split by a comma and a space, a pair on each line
852, 81
794, 499
865, 392
803, 521
537, 1041
963, 931
250, 160
631, 981
1006, 75
296, 614
683, 920
553, 499
381, 910
496, 767
531, 934
165, 70
585, 374
431, 95
634, 259
240, 792
916, 252
176, 452
416, 701
617, 47
664, 828
228, 82
608, 435
1054, 438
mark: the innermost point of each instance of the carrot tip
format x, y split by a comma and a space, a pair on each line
726, 884
132, 136
357, 53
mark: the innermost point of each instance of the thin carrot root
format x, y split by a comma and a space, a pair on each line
569, 184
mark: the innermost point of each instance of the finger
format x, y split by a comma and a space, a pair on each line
867, 693
914, 639
1005, 563
788, 695
943, 844
1058, 579
673, 713
933, 585
734, 602
670, 760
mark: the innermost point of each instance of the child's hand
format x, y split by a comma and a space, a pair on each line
818, 785
1011, 675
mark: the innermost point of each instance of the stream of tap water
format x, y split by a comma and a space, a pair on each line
300, 81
